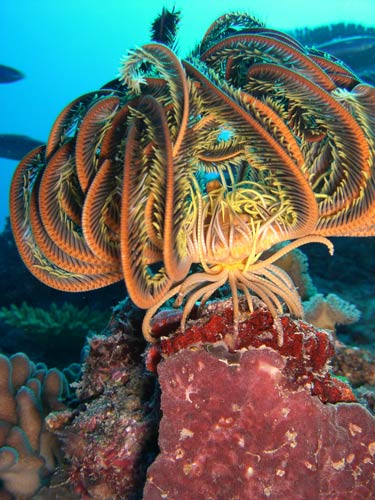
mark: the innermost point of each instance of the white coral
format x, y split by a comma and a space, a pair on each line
327, 312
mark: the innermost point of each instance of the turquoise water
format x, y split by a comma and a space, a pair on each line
68, 48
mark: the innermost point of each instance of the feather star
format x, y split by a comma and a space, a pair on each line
184, 175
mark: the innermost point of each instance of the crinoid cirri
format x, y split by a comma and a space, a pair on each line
184, 175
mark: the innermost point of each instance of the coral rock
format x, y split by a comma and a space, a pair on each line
307, 350
110, 438
357, 365
235, 426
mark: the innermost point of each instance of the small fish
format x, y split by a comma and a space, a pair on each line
9, 75
341, 47
15, 147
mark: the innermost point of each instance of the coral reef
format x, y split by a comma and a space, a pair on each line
58, 489
18, 286
358, 367
137, 183
307, 351
351, 43
348, 275
29, 453
58, 331
109, 441
243, 423
327, 312
57, 320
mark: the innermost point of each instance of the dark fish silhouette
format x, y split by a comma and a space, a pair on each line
15, 147
9, 75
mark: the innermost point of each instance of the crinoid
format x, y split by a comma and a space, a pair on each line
251, 147
229, 229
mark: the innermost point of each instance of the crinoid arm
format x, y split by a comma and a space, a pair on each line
43, 255
149, 161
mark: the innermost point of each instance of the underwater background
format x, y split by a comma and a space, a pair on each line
64, 50
51, 54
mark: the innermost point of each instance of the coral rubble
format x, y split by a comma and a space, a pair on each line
357, 365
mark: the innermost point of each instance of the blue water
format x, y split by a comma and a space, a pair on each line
71, 47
